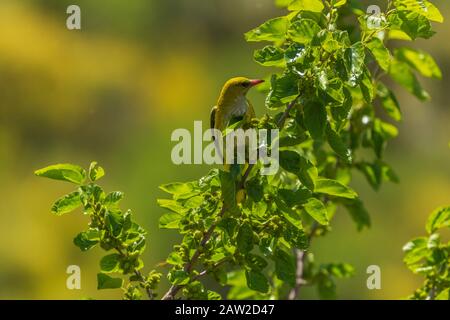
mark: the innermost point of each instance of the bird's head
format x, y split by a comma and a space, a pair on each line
239, 86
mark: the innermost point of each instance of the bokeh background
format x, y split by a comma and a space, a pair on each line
114, 92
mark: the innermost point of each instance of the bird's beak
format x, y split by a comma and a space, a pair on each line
255, 82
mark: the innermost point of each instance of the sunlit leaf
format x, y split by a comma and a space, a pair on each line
317, 210
270, 56
422, 7
420, 61
67, 203
306, 5
334, 188
64, 172
271, 30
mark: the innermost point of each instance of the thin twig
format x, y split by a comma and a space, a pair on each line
142, 280
283, 118
173, 290
206, 271
139, 275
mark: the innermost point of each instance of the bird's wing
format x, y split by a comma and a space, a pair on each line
250, 114
212, 117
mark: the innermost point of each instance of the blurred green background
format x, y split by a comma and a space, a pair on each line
114, 91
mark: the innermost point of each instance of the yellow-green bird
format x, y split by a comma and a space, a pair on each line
233, 103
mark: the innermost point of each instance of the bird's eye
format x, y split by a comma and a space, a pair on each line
245, 84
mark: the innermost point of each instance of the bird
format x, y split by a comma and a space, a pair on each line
233, 103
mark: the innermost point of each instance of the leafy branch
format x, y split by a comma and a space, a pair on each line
109, 227
429, 257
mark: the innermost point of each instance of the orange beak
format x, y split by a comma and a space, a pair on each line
255, 82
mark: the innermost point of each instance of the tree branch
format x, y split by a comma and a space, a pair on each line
300, 261
300, 256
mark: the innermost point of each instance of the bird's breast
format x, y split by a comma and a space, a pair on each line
239, 107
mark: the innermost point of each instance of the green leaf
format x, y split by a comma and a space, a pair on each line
386, 130
282, 3
170, 220
440, 218
255, 262
412, 24
315, 116
270, 56
114, 222
340, 270
177, 188
443, 295
338, 3
106, 282
382, 132
358, 213
257, 281
366, 86
112, 199
67, 203
271, 30
317, 210
290, 161
91, 192
380, 52
354, 63
303, 31
63, 172
415, 250
86, 240
338, 145
244, 238
377, 172
331, 42
255, 188
293, 198
293, 162
110, 263
306, 5
422, 7
172, 205
335, 90
372, 172
283, 90
284, 266
296, 237
334, 188
433, 241
174, 259
341, 113
295, 55
420, 61
212, 295
95, 171
402, 74
228, 187
178, 277
389, 102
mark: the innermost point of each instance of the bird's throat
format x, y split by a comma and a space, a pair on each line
239, 107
